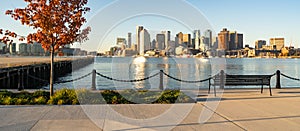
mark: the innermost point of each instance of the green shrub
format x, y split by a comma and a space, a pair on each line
64, 97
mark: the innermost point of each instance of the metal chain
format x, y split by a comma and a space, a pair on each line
199, 81
137, 80
292, 78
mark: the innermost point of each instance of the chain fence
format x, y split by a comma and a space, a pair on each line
131, 81
289, 77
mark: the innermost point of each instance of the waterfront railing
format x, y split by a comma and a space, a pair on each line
161, 75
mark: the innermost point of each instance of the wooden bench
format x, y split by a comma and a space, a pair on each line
241, 80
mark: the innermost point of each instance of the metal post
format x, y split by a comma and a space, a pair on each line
161, 80
8, 80
22, 79
94, 80
222, 78
278, 85
19, 80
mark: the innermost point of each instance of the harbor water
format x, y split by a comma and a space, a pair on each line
191, 69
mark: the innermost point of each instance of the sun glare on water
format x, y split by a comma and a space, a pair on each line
139, 60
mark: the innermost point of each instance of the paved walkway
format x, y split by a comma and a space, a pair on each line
237, 110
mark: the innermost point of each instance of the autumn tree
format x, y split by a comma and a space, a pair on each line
56, 23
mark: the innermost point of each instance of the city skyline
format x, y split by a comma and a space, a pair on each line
257, 20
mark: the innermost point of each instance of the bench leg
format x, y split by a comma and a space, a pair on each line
262, 89
270, 90
215, 91
209, 88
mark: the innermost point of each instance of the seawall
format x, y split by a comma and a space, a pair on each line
35, 76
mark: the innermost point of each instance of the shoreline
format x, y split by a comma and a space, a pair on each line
10, 62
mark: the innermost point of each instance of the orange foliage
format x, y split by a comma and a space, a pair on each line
57, 22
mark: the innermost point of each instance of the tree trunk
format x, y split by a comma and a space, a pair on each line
51, 70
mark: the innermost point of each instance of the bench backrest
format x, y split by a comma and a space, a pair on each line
244, 79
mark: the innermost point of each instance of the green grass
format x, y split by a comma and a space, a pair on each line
84, 96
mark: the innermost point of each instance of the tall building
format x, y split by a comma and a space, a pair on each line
259, 44
23, 49
153, 44
12, 48
240, 44
121, 41
129, 40
167, 38
187, 40
277, 43
233, 40
36, 49
144, 41
179, 38
138, 31
197, 35
160, 41
208, 38
223, 39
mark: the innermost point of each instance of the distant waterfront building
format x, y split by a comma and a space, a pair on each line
144, 41
167, 38
138, 31
36, 49
259, 44
240, 44
160, 42
208, 38
23, 49
172, 48
179, 38
187, 40
1, 48
12, 48
223, 39
277, 43
197, 36
203, 45
121, 41
129, 40
153, 44
233, 40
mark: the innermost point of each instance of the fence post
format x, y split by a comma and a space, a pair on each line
161, 80
19, 80
222, 78
8, 80
94, 80
278, 85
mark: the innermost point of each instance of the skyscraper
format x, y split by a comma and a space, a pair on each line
277, 43
223, 39
208, 38
153, 44
121, 41
233, 40
144, 41
240, 44
197, 36
167, 38
138, 31
12, 48
259, 44
129, 40
187, 40
179, 38
160, 41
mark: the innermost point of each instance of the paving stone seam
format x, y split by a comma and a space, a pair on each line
224, 117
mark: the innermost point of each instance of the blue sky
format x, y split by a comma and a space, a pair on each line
256, 19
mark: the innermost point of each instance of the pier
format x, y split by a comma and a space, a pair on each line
28, 75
